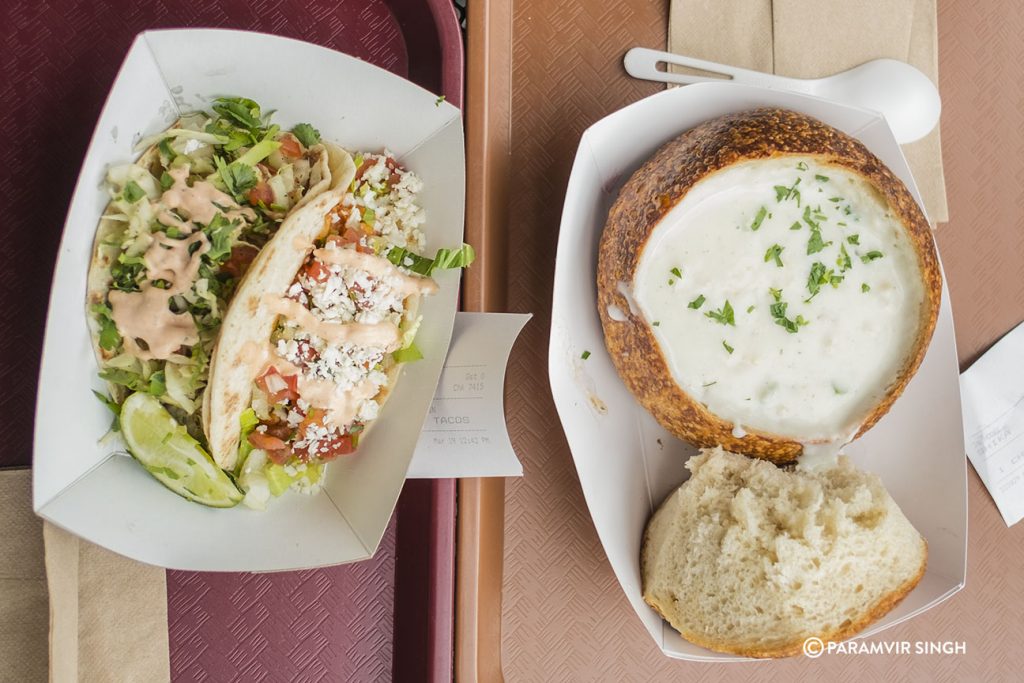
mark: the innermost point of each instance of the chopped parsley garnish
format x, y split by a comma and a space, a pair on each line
871, 256
727, 347
759, 218
865, 287
750, 309
676, 272
696, 303
778, 311
853, 239
439, 100
801, 166
710, 384
843, 261
783, 193
132, 192
795, 226
656, 323
815, 243
307, 134
822, 178
835, 199
585, 355
724, 315
774, 254
821, 276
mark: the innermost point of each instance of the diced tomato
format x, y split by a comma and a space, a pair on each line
278, 387
260, 192
266, 441
280, 457
240, 259
364, 167
290, 146
335, 239
317, 271
315, 416
351, 236
306, 352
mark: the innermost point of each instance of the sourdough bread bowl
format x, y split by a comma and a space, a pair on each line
766, 284
751, 559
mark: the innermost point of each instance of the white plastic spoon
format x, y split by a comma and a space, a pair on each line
905, 96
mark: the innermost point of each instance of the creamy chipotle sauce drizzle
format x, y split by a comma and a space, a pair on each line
384, 335
377, 266
146, 315
200, 202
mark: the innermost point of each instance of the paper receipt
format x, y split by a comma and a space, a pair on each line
464, 434
993, 407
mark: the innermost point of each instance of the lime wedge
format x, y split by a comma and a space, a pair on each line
166, 450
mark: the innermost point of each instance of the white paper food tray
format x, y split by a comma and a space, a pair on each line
627, 464
108, 498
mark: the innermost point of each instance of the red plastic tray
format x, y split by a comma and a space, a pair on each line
340, 623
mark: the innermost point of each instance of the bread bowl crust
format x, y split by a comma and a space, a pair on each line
661, 183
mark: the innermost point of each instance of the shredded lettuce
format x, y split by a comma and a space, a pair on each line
260, 151
444, 259
408, 354
202, 136
181, 386
280, 481
247, 421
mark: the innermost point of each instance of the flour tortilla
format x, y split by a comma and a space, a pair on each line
249, 321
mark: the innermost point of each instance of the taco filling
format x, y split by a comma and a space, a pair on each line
183, 225
340, 332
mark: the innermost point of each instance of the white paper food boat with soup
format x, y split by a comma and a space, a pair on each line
628, 464
101, 495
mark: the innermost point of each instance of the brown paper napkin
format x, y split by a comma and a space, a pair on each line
23, 604
812, 39
108, 614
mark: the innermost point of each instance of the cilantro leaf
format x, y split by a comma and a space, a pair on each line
854, 239
727, 347
237, 178
696, 303
219, 232
307, 134
109, 337
240, 110
773, 254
